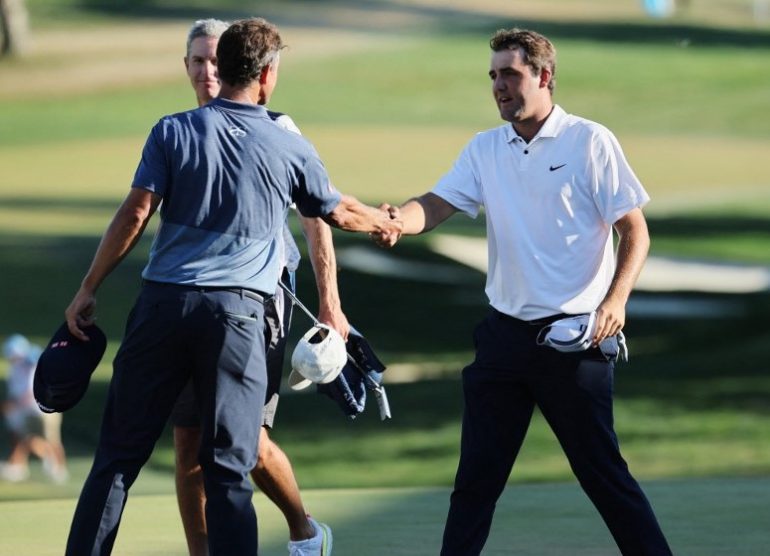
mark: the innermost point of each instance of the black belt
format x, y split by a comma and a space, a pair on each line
537, 322
243, 292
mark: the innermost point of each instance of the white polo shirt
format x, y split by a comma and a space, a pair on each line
550, 207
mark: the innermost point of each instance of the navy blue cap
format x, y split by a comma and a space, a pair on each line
65, 368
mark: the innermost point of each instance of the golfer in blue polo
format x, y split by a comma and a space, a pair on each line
226, 175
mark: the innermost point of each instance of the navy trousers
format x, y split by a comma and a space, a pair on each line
509, 376
175, 333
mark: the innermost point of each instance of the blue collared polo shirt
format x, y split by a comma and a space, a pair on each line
227, 175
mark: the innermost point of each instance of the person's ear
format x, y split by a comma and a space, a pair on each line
545, 78
263, 74
186, 63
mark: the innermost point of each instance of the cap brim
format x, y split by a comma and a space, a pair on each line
65, 367
297, 381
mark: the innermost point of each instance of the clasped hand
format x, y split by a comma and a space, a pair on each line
392, 230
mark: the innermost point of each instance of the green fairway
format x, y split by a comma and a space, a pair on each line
712, 517
685, 426
389, 111
389, 92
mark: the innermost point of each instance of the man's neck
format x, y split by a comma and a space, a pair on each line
251, 94
527, 129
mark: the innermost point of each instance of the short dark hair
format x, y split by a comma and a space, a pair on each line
538, 52
245, 49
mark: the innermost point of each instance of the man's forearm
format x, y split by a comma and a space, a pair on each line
424, 213
352, 215
322, 257
319, 240
633, 246
121, 235
416, 216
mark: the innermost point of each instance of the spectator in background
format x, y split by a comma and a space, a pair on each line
31, 430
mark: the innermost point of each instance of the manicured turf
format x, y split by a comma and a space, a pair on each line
715, 517
389, 106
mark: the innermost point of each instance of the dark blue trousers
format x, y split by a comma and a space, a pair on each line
509, 376
173, 334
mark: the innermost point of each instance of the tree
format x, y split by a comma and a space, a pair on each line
14, 26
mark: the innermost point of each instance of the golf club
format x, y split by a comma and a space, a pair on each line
379, 390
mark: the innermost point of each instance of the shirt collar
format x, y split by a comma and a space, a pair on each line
240, 107
551, 128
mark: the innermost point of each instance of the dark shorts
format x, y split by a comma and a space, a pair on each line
185, 412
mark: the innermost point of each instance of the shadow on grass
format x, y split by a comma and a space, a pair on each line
41, 274
42, 205
688, 363
700, 226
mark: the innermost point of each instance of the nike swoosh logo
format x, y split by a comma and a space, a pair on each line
553, 168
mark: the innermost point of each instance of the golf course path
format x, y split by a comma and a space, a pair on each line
660, 274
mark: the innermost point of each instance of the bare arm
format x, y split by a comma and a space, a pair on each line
424, 213
121, 236
352, 215
321, 247
633, 245
419, 215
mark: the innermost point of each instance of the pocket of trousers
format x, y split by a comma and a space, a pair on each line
237, 317
241, 335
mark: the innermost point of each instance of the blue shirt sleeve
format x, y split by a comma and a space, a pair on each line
315, 195
153, 172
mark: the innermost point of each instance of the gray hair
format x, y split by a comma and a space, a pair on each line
206, 28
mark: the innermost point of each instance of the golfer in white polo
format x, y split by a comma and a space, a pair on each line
553, 186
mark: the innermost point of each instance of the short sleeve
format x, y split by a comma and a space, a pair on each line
315, 195
461, 186
616, 189
153, 173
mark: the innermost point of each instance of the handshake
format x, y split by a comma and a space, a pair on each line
390, 229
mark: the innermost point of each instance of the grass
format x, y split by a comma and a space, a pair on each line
389, 106
724, 517
444, 85
680, 411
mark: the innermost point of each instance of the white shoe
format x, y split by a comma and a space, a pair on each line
320, 545
14, 472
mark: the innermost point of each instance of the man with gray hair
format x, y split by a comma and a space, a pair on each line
200, 59
273, 473
226, 175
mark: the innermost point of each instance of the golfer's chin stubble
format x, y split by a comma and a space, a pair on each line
510, 114
507, 117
